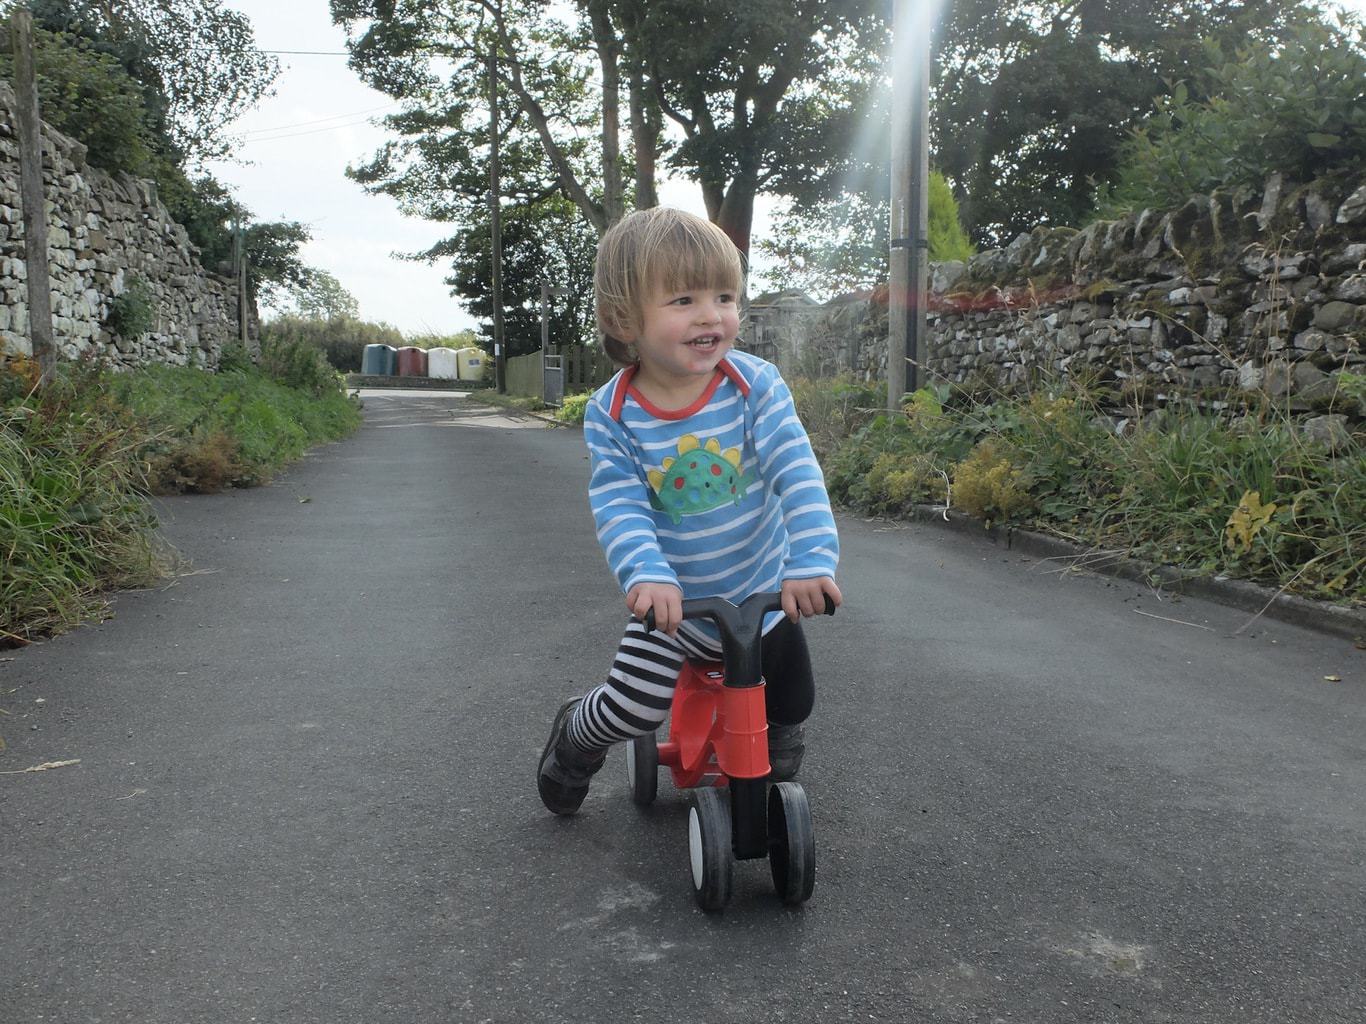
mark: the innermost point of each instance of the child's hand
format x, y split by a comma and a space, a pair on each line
807, 597
664, 598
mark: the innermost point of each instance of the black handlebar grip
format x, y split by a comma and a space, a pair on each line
649, 619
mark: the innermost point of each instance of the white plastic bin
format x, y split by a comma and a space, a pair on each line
442, 364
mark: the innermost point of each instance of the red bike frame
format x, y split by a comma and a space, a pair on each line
716, 732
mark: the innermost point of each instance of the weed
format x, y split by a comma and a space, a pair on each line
573, 407
133, 312
1166, 491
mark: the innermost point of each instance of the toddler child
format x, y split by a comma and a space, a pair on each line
703, 485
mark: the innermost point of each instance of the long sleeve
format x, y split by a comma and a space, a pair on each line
618, 495
788, 463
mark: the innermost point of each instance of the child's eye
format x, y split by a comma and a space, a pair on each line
682, 300
725, 297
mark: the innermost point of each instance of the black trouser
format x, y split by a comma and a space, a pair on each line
635, 698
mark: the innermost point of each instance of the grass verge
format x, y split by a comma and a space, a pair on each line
80, 456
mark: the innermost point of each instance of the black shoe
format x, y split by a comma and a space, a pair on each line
786, 745
564, 770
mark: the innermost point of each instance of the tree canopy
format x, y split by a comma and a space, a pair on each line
125, 80
1300, 110
1033, 101
197, 60
762, 94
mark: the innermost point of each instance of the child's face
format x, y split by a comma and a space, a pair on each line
684, 334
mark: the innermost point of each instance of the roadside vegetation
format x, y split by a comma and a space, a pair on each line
1249, 495
80, 457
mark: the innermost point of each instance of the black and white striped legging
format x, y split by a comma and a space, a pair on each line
636, 696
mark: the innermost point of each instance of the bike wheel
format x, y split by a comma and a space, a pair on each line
713, 861
791, 843
642, 769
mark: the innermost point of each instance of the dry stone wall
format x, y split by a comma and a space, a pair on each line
1245, 291
104, 231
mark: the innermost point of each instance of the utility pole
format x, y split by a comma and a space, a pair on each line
31, 196
910, 240
239, 249
500, 365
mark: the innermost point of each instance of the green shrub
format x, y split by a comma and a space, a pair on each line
989, 485
296, 364
1300, 109
132, 313
1166, 492
73, 518
832, 410
341, 340
572, 409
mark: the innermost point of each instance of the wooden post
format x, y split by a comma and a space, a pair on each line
496, 231
31, 196
241, 246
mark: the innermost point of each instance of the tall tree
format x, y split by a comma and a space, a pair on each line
1033, 100
197, 59
546, 241
435, 59
323, 297
761, 92
765, 94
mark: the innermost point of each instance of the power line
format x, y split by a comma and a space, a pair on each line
313, 131
309, 53
321, 120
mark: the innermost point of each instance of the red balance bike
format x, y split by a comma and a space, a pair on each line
718, 749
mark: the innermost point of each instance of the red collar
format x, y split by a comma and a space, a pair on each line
724, 370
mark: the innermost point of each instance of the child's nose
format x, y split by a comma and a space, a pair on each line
708, 312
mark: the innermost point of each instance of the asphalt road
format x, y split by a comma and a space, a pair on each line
305, 790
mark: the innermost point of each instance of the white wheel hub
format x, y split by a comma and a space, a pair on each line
695, 846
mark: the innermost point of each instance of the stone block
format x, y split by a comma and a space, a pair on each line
1351, 289
1330, 431
1271, 198
1204, 377
1318, 212
1334, 316
1349, 258
1306, 290
1353, 209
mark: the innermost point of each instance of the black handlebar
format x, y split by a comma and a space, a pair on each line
741, 627
717, 607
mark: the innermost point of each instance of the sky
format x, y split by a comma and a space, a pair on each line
292, 164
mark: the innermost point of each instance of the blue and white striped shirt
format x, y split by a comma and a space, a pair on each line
722, 499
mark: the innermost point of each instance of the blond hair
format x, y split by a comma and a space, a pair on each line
649, 251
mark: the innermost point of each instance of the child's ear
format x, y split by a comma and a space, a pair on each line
624, 332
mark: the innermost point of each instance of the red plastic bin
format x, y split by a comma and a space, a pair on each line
412, 361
